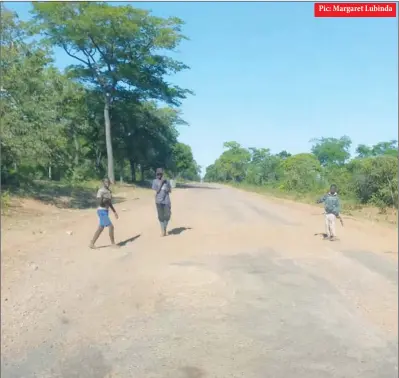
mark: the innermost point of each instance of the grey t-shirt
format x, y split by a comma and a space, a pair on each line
162, 194
104, 194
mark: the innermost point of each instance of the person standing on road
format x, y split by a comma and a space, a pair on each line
332, 211
162, 189
104, 199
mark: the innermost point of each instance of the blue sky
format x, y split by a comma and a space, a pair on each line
271, 75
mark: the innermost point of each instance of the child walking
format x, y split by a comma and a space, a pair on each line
104, 199
332, 211
162, 189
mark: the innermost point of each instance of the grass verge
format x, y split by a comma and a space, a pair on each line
349, 207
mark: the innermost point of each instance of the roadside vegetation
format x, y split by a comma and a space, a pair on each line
368, 179
113, 112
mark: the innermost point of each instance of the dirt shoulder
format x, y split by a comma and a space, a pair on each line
29, 220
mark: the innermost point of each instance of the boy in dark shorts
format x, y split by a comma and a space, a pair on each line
104, 199
162, 189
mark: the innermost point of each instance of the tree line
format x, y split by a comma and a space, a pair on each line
113, 112
370, 177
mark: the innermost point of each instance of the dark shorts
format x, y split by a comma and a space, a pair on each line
164, 212
103, 216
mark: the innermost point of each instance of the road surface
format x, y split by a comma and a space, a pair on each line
241, 288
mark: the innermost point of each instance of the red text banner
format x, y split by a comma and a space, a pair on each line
355, 9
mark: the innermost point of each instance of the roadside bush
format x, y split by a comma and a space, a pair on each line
5, 202
375, 180
301, 173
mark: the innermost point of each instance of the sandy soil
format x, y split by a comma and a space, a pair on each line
243, 287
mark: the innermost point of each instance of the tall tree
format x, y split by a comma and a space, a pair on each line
263, 167
332, 150
234, 161
32, 129
118, 48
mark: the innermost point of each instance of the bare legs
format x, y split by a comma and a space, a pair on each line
99, 231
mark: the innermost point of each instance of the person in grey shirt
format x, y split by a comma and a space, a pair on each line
162, 189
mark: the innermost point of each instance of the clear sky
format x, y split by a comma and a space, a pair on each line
271, 75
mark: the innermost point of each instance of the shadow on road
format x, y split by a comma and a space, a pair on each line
192, 372
127, 241
61, 195
148, 184
178, 230
195, 186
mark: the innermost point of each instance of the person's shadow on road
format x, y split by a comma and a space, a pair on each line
127, 241
178, 230
322, 234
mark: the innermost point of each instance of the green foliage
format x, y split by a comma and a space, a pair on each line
234, 161
332, 150
364, 180
383, 148
53, 122
5, 202
264, 168
301, 173
183, 163
120, 52
375, 180
340, 176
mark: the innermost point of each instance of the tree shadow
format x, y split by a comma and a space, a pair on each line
195, 186
145, 184
127, 241
178, 230
61, 195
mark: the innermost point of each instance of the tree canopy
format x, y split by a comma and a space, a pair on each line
370, 178
119, 52
332, 150
57, 125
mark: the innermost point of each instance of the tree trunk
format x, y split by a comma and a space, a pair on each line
76, 143
98, 159
122, 170
108, 140
133, 169
49, 172
141, 172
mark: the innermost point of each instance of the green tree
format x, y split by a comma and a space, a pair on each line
184, 165
301, 173
332, 150
263, 168
117, 49
145, 135
234, 161
33, 128
213, 174
284, 154
379, 149
375, 180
